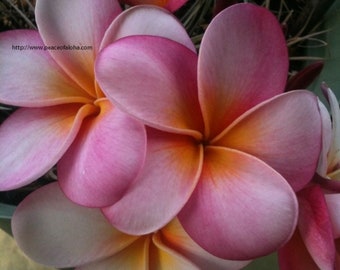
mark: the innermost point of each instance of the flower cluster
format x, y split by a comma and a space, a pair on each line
314, 243
167, 158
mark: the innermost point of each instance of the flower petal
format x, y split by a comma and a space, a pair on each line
173, 235
334, 154
333, 204
326, 140
12, 257
75, 23
315, 227
33, 140
163, 91
239, 66
135, 256
141, 20
104, 159
170, 173
284, 131
295, 256
162, 257
29, 76
53, 231
231, 212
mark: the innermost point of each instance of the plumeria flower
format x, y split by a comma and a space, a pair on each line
315, 243
65, 116
171, 5
226, 147
53, 231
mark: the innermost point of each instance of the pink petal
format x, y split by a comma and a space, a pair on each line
284, 131
170, 173
241, 208
294, 255
171, 5
104, 159
174, 236
141, 20
163, 91
239, 66
315, 227
75, 23
30, 77
333, 204
33, 140
53, 231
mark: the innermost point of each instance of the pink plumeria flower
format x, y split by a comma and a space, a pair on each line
83, 238
66, 117
226, 147
314, 244
171, 5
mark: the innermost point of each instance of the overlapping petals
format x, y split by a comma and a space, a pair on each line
317, 233
233, 183
54, 231
141, 21
81, 23
141, 210
295, 256
101, 149
33, 140
225, 148
269, 131
164, 78
315, 227
99, 166
41, 82
173, 235
313, 243
230, 99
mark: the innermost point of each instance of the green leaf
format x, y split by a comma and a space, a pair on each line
265, 263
